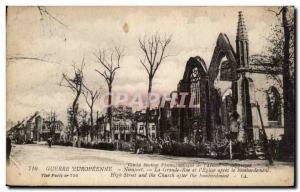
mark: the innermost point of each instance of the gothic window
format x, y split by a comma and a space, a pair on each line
153, 135
141, 127
274, 106
195, 90
225, 71
227, 109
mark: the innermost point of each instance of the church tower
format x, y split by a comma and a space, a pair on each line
242, 43
244, 86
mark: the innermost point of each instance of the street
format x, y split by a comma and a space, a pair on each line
35, 161
33, 153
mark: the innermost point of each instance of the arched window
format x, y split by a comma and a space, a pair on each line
274, 106
195, 90
225, 70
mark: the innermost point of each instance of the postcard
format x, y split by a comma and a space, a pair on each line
150, 96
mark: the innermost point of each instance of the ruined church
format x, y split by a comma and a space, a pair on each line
231, 83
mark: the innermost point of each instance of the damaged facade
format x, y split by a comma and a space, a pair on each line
37, 127
231, 83
125, 122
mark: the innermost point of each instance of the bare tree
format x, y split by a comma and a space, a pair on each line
83, 124
91, 97
273, 59
288, 85
153, 49
76, 85
110, 61
281, 55
15, 58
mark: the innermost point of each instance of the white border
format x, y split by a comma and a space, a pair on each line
152, 2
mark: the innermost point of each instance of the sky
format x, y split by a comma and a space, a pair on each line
78, 31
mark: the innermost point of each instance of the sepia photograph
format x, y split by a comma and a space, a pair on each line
151, 96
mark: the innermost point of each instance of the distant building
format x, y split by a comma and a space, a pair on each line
122, 124
152, 124
125, 122
36, 128
52, 128
123, 129
17, 132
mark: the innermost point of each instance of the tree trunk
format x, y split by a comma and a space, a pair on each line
110, 112
74, 119
97, 127
135, 137
148, 107
92, 124
288, 98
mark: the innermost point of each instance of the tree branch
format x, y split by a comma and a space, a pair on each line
43, 11
111, 67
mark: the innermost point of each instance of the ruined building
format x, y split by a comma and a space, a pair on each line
231, 83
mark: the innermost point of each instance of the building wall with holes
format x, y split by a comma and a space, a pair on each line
262, 89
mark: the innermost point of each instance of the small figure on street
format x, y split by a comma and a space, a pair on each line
199, 136
49, 141
241, 141
8, 148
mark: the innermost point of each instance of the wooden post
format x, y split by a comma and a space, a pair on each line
97, 128
265, 139
230, 149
